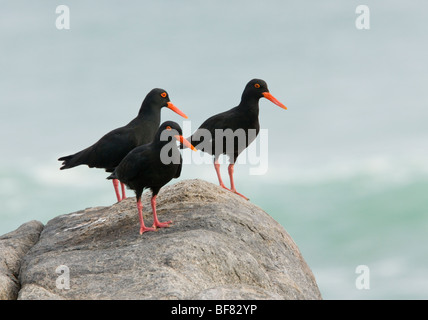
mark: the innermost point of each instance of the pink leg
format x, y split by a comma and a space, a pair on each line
123, 191
143, 228
232, 183
217, 170
156, 222
116, 189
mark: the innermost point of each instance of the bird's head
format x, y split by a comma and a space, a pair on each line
159, 97
258, 88
171, 129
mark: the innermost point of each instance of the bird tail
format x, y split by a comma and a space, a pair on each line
67, 162
112, 176
81, 157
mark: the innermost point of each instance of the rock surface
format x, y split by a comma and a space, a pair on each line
13, 246
219, 247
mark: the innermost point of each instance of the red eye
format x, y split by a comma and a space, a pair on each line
163, 94
257, 86
168, 128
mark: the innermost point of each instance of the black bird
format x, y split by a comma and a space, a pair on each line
107, 152
152, 166
239, 121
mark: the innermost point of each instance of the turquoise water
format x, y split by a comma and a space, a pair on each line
347, 162
350, 223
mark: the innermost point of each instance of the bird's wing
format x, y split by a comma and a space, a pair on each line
108, 151
178, 173
134, 163
218, 121
221, 120
119, 142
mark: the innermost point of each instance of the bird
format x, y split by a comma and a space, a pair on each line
110, 149
237, 121
151, 166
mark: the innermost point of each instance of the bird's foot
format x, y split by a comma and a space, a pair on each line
224, 187
239, 194
234, 191
158, 224
145, 229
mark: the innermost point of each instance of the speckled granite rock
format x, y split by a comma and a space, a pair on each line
13, 246
218, 247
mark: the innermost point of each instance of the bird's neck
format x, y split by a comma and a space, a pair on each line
250, 105
151, 113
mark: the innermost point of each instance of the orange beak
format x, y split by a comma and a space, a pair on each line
185, 142
176, 110
270, 97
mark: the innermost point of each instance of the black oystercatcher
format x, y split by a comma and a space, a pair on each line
152, 166
238, 120
115, 145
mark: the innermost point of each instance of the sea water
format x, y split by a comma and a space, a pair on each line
347, 171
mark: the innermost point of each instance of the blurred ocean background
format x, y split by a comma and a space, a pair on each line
348, 161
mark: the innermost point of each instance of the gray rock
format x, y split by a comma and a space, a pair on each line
13, 246
219, 247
